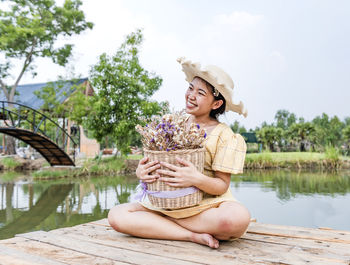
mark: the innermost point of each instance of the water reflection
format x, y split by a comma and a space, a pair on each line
28, 206
302, 198
309, 199
288, 184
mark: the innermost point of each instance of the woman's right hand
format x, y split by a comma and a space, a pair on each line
144, 170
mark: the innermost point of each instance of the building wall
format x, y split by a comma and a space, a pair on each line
88, 147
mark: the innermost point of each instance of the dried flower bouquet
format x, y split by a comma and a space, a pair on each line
164, 139
169, 132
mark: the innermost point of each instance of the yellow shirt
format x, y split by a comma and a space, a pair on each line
225, 152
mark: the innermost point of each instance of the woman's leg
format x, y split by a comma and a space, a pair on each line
229, 220
136, 220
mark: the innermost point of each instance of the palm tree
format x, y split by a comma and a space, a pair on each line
269, 136
301, 133
346, 137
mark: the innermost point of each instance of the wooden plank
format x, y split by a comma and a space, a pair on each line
243, 250
12, 256
278, 253
10, 260
343, 233
97, 242
104, 237
273, 253
300, 232
103, 251
54, 253
270, 228
327, 237
335, 250
102, 222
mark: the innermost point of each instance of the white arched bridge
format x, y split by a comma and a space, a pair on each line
39, 131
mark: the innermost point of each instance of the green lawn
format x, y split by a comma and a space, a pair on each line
331, 160
288, 156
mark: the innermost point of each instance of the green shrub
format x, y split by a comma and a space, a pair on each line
261, 160
9, 163
332, 157
52, 174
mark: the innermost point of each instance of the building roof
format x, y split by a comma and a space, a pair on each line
25, 93
250, 137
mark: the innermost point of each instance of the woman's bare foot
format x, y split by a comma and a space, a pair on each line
205, 239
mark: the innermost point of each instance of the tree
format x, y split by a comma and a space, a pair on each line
284, 119
30, 29
346, 136
301, 133
328, 131
237, 128
347, 121
123, 90
270, 136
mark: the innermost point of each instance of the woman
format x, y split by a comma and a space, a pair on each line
219, 216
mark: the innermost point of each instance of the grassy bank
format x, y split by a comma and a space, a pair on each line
115, 165
90, 167
8, 163
329, 160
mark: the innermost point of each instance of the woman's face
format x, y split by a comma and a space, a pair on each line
200, 99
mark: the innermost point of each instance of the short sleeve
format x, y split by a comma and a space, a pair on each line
230, 152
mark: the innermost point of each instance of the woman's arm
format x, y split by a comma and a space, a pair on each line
215, 186
188, 175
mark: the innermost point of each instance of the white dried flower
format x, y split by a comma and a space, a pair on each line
169, 132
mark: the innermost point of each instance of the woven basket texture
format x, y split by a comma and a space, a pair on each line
195, 156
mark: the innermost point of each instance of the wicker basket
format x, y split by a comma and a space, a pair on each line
195, 156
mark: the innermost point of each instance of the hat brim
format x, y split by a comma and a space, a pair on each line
192, 70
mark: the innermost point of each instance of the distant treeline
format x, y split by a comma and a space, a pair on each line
291, 133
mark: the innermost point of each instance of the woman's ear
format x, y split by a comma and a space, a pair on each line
217, 104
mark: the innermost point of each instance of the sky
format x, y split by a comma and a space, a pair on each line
292, 55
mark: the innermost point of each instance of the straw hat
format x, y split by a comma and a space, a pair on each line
217, 78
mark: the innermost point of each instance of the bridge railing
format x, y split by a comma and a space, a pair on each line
17, 115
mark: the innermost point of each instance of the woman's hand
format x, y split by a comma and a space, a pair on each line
144, 170
179, 176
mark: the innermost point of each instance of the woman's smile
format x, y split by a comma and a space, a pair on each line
190, 105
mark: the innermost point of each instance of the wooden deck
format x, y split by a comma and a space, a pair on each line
97, 243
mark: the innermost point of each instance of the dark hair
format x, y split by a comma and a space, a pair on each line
216, 112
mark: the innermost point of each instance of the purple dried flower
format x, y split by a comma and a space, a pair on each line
198, 126
205, 135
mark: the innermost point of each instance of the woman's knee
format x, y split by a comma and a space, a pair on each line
114, 216
233, 220
118, 216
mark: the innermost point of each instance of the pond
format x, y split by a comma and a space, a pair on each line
309, 199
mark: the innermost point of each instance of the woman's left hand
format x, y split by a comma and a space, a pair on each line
179, 176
